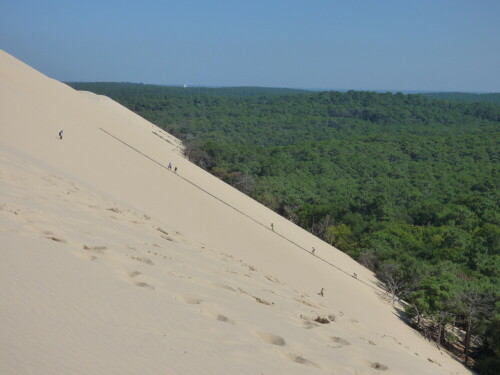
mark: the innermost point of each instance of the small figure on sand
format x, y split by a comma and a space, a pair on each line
321, 292
60, 134
313, 250
170, 166
355, 275
175, 170
272, 227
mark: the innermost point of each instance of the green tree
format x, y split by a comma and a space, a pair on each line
340, 236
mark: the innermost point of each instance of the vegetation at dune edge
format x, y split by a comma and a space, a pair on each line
406, 185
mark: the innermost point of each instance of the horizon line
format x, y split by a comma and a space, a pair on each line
312, 89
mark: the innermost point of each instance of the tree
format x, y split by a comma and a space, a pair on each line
245, 183
268, 199
391, 274
196, 153
289, 213
369, 259
435, 299
340, 236
320, 227
488, 362
476, 302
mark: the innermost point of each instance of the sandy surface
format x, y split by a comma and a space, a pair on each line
112, 264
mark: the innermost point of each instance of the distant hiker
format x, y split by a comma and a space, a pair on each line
170, 166
321, 292
313, 250
60, 134
272, 227
175, 170
355, 275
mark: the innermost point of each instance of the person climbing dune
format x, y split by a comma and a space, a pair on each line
60, 134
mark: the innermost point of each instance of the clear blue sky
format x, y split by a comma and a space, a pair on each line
449, 45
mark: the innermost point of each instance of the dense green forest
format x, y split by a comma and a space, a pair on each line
465, 97
407, 185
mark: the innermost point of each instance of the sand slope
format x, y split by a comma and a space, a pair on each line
112, 264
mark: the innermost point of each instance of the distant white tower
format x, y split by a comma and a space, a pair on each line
185, 85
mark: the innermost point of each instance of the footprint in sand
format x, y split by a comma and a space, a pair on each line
95, 249
263, 301
162, 231
192, 301
143, 260
433, 361
225, 286
144, 285
322, 320
134, 274
219, 317
308, 322
56, 239
378, 366
272, 279
168, 238
299, 359
272, 338
223, 318
368, 341
340, 341
306, 303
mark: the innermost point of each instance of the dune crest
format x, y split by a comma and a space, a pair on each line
112, 263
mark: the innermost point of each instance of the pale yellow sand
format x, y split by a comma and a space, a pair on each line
111, 264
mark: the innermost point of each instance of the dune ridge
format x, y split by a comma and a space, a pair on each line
113, 264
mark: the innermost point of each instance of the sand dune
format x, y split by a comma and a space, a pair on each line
113, 264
